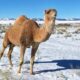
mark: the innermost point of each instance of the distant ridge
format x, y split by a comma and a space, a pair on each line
8, 21
40, 19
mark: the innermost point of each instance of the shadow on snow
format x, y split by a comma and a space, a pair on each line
65, 64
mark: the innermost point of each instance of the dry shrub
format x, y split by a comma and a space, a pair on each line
61, 30
77, 31
68, 34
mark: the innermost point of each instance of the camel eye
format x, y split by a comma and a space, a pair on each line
55, 15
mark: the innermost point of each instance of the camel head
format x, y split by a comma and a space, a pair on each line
50, 15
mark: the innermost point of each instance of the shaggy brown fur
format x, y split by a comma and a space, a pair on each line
29, 34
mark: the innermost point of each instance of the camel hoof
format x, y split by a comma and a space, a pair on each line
18, 71
19, 74
31, 73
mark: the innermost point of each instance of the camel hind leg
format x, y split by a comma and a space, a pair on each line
5, 44
9, 53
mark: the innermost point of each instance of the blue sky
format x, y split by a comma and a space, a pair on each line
35, 8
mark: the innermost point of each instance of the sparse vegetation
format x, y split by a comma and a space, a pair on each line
63, 25
3, 28
68, 34
61, 30
77, 31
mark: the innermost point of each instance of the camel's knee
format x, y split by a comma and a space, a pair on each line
21, 62
2, 51
5, 44
32, 61
9, 56
1, 54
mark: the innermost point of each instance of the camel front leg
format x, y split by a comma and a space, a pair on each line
22, 51
34, 49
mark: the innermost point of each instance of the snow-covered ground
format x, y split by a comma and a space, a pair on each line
7, 21
40, 22
56, 59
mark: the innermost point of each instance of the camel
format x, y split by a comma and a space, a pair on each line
29, 34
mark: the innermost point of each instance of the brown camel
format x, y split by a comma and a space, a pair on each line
29, 34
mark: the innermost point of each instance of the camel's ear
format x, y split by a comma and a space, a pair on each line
47, 11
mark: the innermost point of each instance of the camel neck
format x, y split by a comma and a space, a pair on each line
49, 25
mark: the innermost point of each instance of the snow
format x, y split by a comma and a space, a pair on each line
41, 22
68, 21
56, 59
7, 21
